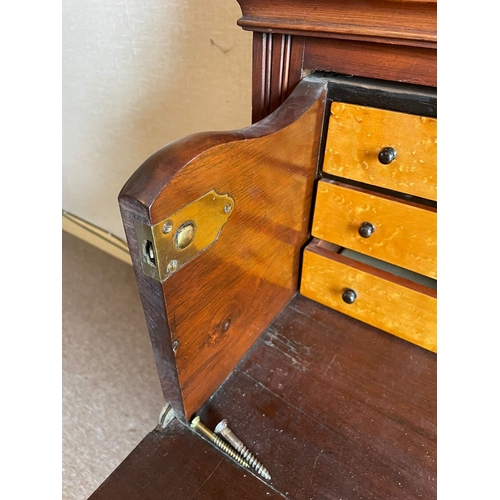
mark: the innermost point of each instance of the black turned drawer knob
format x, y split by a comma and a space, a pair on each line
387, 155
366, 229
349, 296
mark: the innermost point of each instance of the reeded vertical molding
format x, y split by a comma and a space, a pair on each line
277, 66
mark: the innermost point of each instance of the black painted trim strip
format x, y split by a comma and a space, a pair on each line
393, 96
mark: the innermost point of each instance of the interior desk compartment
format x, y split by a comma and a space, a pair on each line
397, 231
392, 150
392, 303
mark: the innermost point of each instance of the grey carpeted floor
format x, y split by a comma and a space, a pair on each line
111, 391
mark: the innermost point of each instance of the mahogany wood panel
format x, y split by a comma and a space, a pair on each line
276, 70
398, 63
401, 22
405, 233
393, 304
356, 135
384, 39
334, 408
219, 303
176, 464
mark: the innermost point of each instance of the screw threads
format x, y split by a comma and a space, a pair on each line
225, 447
225, 431
196, 424
253, 462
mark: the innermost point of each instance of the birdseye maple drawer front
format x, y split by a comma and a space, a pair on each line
396, 231
396, 151
391, 303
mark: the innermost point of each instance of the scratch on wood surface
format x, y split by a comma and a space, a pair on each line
316, 461
329, 364
317, 422
292, 350
314, 466
206, 480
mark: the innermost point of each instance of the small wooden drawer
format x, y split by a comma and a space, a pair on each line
357, 134
404, 233
393, 304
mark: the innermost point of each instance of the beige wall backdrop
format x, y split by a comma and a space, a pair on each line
138, 74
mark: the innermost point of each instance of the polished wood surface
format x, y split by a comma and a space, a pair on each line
176, 464
335, 408
332, 407
218, 304
382, 21
405, 233
393, 304
386, 39
356, 135
276, 70
372, 60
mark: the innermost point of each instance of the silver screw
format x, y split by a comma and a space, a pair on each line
166, 416
228, 207
167, 227
231, 438
198, 425
172, 266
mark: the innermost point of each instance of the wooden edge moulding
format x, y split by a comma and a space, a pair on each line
388, 39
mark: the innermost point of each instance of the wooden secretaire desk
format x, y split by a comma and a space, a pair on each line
288, 270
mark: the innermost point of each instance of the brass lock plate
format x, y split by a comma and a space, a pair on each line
170, 244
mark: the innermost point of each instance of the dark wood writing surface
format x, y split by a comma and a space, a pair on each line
175, 464
332, 407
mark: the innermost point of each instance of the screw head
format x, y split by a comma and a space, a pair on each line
221, 426
227, 208
194, 422
172, 266
167, 227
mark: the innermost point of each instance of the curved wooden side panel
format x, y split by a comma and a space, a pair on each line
213, 309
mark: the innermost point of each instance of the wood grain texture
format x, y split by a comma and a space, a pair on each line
390, 40
356, 135
220, 302
176, 464
399, 63
405, 23
405, 233
393, 304
153, 304
334, 408
276, 70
